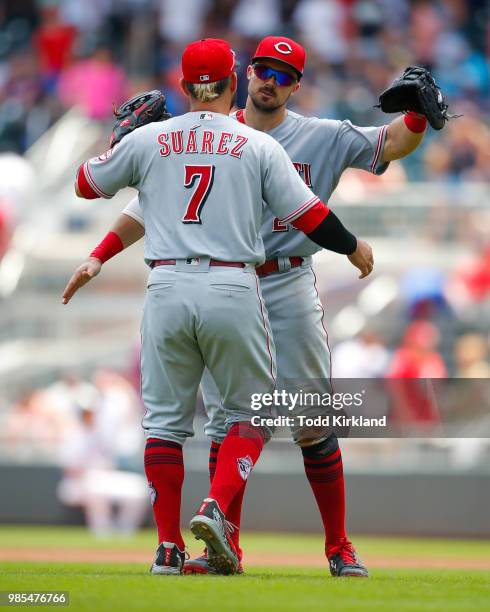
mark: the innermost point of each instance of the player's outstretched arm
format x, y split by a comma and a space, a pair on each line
128, 229
82, 275
403, 135
125, 232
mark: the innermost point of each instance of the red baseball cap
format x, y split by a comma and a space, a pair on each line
207, 60
282, 49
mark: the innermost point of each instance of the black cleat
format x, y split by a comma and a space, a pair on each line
200, 565
210, 525
169, 560
344, 561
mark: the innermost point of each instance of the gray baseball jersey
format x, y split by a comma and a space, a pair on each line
203, 179
320, 149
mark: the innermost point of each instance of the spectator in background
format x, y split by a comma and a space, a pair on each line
182, 21
462, 153
256, 18
21, 95
417, 356
119, 417
470, 282
321, 25
355, 48
361, 357
35, 422
414, 404
471, 356
95, 84
71, 393
54, 42
88, 16
426, 25
112, 500
6, 224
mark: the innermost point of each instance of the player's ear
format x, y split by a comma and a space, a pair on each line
183, 88
296, 87
233, 82
249, 71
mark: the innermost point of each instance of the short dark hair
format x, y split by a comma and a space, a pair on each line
218, 88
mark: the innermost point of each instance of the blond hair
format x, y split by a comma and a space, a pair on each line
207, 92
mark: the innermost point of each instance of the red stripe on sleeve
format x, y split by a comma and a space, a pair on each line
312, 218
84, 187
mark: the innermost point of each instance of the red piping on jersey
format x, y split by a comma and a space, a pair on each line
93, 184
266, 330
312, 218
379, 147
323, 325
84, 187
299, 211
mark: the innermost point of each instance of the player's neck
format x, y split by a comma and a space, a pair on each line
263, 121
217, 106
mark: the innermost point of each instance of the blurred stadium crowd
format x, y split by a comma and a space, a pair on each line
95, 420
90, 429
58, 53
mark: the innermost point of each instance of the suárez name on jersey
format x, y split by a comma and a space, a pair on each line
209, 142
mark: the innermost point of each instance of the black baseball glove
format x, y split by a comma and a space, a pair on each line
416, 91
138, 111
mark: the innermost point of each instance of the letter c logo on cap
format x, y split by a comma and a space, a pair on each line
283, 47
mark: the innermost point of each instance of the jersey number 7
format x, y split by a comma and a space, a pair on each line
204, 175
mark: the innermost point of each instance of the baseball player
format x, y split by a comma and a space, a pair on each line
203, 180
321, 150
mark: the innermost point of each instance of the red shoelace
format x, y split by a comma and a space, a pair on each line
345, 550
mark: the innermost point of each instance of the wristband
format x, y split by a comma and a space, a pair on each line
111, 245
415, 123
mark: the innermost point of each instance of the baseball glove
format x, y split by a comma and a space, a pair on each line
416, 91
138, 111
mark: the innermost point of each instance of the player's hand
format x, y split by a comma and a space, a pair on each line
82, 275
362, 258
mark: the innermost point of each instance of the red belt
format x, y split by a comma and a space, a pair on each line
271, 266
212, 262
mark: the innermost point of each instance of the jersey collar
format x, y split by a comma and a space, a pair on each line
240, 116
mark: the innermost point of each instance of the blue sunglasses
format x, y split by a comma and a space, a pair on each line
264, 73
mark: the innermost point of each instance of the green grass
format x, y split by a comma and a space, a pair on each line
126, 587
129, 587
